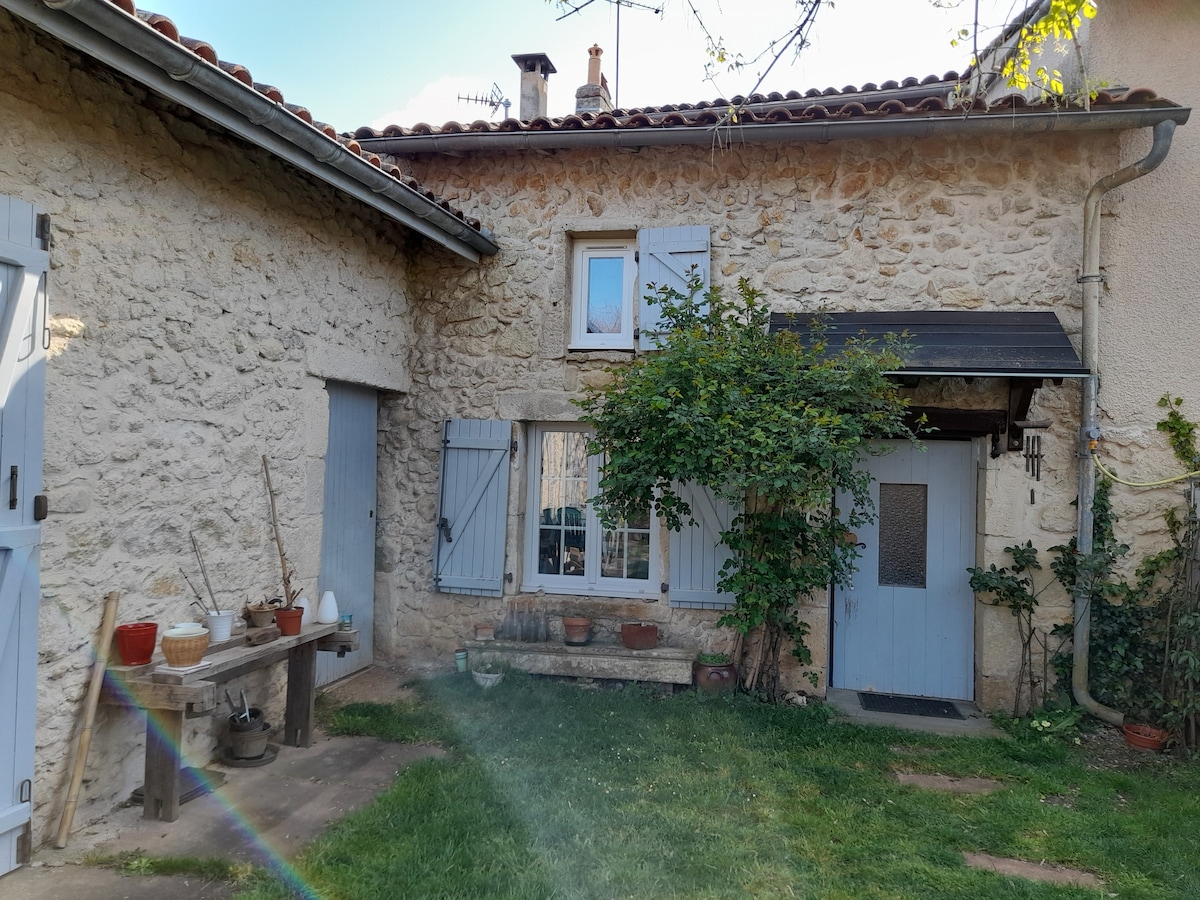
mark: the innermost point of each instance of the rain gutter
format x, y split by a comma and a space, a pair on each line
818, 131
1089, 431
128, 45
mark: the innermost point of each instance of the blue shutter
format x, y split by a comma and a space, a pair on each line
697, 553
473, 510
664, 257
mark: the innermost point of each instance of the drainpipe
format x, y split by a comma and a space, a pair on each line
1089, 431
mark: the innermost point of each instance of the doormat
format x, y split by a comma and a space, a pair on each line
909, 706
193, 783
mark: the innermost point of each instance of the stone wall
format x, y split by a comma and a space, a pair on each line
989, 223
201, 294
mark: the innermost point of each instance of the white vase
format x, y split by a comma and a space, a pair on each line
307, 618
327, 611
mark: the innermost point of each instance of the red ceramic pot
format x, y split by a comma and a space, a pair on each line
288, 620
135, 642
639, 636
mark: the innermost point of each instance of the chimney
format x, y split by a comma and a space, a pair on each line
593, 97
536, 70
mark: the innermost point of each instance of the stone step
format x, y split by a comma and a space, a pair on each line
669, 665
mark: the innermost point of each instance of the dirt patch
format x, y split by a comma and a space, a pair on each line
1106, 750
377, 684
950, 783
1033, 871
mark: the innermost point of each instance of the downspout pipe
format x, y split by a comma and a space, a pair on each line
1089, 431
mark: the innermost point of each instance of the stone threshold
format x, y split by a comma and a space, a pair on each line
668, 665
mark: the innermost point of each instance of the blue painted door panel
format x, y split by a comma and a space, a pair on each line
348, 534
23, 314
906, 624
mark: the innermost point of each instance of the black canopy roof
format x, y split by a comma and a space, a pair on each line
955, 342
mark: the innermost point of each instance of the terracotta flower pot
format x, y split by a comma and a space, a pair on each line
577, 630
288, 620
1146, 738
639, 636
135, 642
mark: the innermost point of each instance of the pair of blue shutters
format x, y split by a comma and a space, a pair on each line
473, 518
473, 507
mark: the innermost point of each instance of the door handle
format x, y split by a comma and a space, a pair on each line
444, 528
12, 488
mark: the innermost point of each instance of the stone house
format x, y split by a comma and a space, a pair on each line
888, 205
227, 280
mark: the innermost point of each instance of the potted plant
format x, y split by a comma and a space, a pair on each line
286, 617
714, 673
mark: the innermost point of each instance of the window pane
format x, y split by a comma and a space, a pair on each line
562, 496
903, 526
605, 280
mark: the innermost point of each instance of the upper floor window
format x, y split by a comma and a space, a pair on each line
603, 294
569, 548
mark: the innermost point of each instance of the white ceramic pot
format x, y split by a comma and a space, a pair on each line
327, 611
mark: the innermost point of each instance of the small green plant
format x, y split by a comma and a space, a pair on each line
1015, 588
713, 659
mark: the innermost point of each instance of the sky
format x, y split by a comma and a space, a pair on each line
383, 62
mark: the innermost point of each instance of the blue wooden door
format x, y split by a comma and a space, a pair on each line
348, 532
23, 318
906, 624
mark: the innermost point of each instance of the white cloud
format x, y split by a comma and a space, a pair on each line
437, 103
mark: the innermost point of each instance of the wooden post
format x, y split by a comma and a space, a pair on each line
164, 732
108, 622
301, 695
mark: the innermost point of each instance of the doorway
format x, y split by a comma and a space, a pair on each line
905, 625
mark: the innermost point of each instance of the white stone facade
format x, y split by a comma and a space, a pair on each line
201, 294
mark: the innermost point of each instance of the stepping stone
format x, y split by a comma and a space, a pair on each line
950, 783
1032, 871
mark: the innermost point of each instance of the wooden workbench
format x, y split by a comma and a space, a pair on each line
168, 697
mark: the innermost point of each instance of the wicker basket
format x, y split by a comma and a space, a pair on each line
182, 652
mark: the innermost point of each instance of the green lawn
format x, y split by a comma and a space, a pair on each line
556, 791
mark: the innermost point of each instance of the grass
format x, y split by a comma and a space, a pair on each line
552, 791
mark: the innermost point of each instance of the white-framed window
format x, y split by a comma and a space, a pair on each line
603, 295
568, 550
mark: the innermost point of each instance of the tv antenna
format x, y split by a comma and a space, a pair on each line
632, 4
494, 99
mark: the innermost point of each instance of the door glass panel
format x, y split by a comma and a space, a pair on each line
563, 494
903, 526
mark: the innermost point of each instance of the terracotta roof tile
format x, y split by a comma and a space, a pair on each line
205, 51
892, 99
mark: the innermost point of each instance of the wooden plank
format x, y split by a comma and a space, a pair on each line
339, 642
238, 660
301, 695
142, 693
164, 731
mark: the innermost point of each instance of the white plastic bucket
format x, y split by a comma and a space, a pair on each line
220, 626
